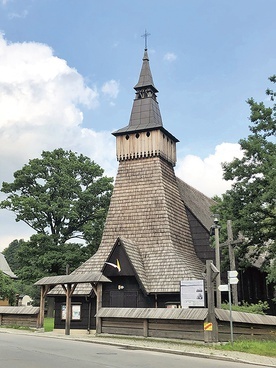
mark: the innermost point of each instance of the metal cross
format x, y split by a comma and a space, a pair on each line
145, 36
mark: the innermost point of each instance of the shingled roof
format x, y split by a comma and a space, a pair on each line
146, 208
145, 114
147, 211
197, 202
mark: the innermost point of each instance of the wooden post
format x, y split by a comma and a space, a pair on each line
218, 279
41, 308
68, 310
99, 294
145, 328
211, 336
232, 260
43, 292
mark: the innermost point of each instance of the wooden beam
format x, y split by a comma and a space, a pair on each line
68, 310
44, 290
232, 259
42, 306
211, 336
73, 289
99, 296
218, 278
145, 328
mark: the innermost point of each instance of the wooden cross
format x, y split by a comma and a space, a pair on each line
231, 244
145, 36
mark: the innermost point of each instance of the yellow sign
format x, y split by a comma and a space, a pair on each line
208, 326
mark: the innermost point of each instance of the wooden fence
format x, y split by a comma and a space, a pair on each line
186, 324
19, 316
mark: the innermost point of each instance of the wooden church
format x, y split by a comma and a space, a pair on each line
157, 228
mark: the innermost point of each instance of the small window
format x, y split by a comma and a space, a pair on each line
137, 135
127, 137
148, 134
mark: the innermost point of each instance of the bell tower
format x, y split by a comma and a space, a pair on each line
145, 135
146, 211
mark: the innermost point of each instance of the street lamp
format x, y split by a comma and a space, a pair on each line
215, 231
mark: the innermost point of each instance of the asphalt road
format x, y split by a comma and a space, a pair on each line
28, 351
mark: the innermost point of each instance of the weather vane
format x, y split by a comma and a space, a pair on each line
145, 36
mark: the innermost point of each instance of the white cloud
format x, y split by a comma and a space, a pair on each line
206, 174
170, 56
41, 99
23, 14
111, 88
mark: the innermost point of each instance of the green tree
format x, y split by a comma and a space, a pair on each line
250, 203
40, 256
7, 288
11, 255
62, 195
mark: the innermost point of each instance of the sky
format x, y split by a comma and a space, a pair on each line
68, 68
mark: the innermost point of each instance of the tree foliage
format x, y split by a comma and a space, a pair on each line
250, 203
62, 195
7, 288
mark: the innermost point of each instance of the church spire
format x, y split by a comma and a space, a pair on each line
145, 112
145, 135
145, 79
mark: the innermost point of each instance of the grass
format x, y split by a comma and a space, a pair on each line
17, 327
48, 324
262, 347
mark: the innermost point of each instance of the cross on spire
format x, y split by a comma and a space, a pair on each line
145, 36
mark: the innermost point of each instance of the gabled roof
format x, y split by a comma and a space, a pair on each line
134, 256
5, 268
198, 203
91, 277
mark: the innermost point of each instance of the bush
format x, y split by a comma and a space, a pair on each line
258, 308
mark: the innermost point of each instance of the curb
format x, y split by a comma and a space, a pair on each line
111, 340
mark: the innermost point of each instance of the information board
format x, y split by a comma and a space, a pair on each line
192, 293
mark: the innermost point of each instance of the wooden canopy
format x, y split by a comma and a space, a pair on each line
69, 284
84, 278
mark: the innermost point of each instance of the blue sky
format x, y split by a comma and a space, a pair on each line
68, 67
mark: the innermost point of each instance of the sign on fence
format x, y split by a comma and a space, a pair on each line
192, 293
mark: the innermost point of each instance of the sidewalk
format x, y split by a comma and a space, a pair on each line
162, 345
